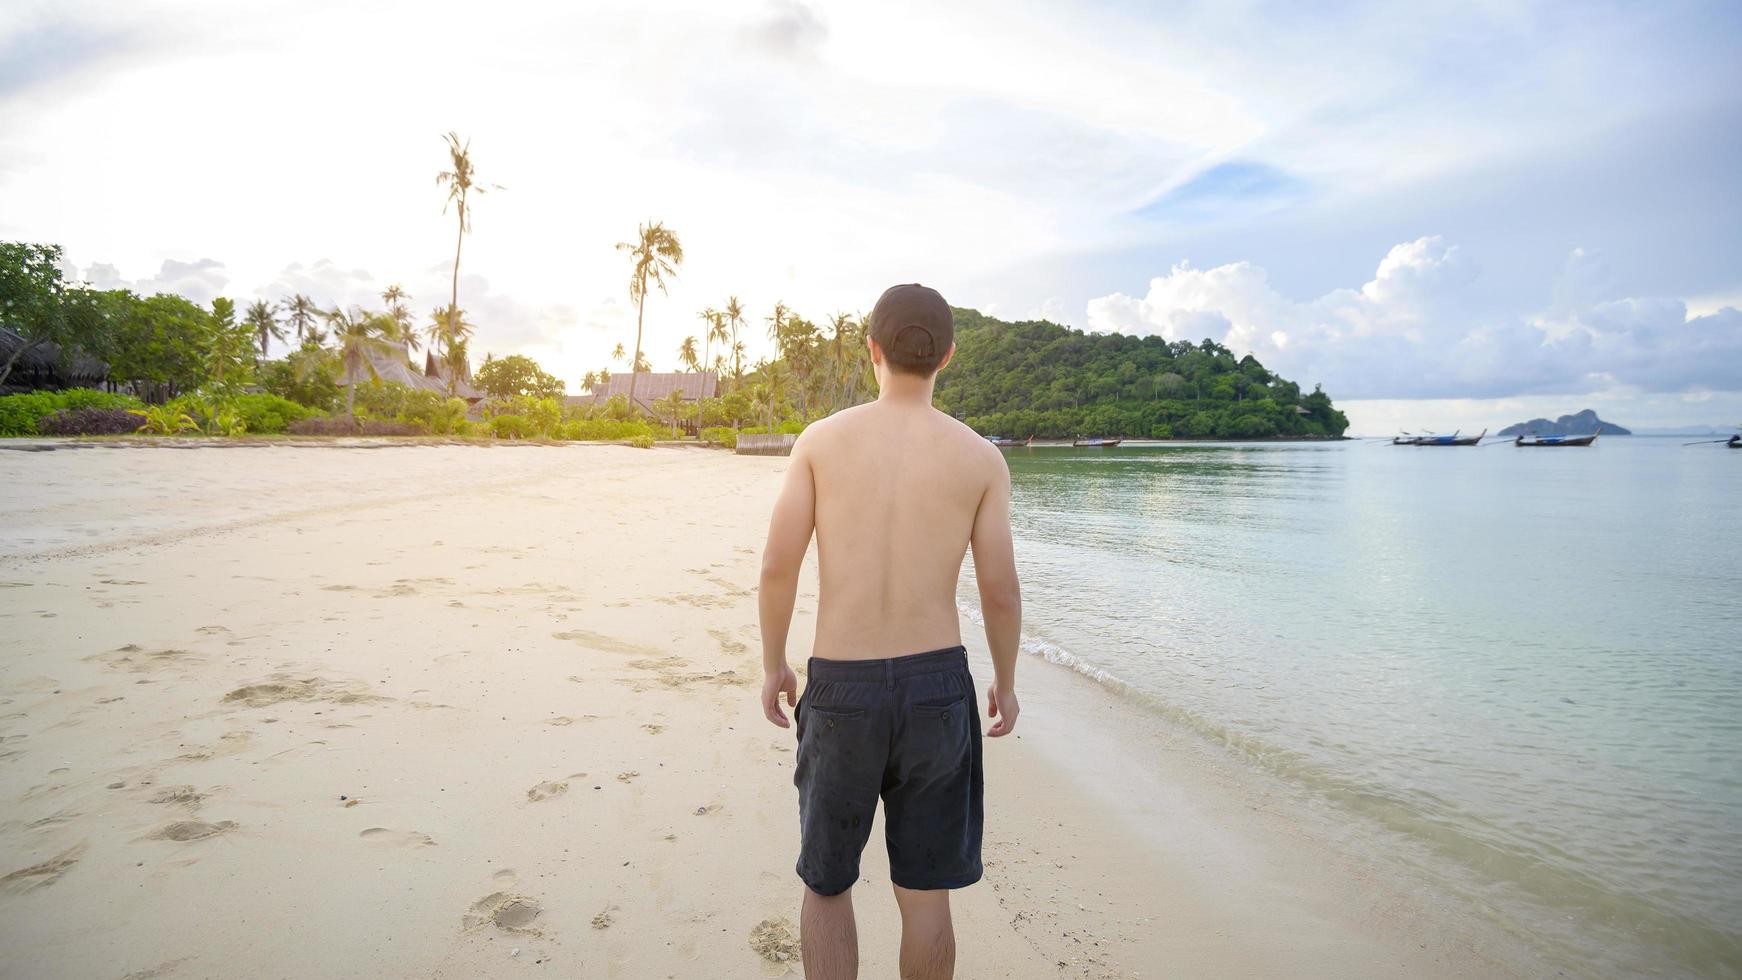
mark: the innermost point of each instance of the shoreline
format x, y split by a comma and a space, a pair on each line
536, 681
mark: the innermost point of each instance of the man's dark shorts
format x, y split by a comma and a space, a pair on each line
906, 729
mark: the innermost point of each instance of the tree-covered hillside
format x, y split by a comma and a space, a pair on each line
1035, 377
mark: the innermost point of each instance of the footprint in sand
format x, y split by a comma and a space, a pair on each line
44, 874
559, 720
190, 830
397, 838
653, 729
624, 777
727, 643
702, 811
607, 644
504, 910
282, 687
133, 659
179, 796
772, 939
547, 790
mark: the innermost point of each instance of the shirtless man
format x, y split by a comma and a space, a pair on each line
896, 491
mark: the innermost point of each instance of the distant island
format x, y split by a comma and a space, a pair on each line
1039, 378
1582, 424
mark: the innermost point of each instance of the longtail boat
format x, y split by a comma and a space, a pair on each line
1735, 442
1451, 440
1002, 442
1096, 442
1547, 441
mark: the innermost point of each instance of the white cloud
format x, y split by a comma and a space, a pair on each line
201, 281
1415, 330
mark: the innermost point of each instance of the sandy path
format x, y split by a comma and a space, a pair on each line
337, 712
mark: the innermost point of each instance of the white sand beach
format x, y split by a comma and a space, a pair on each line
285, 710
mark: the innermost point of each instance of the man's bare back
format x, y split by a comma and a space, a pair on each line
896, 493
897, 489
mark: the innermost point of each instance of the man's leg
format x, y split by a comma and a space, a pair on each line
828, 937
928, 940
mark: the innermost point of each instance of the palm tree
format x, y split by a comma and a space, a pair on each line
395, 296
776, 380
777, 327
617, 353
461, 182
642, 366
656, 254
360, 339
735, 318
588, 381
302, 312
448, 331
264, 319
686, 354
672, 407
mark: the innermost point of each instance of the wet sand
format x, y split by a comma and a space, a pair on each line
460, 711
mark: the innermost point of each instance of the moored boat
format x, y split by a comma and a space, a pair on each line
1096, 442
1002, 442
1451, 440
1735, 442
1548, 441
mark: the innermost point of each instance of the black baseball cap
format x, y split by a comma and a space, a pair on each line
913, 325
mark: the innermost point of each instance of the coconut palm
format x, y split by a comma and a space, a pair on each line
655, 254
777, 327
361, 338
686, 354
394, 297
617, 353
672, 408
461, 182
588, 381
448, 331
709, 316
642, 366
264, 319
735, 319
777, 381
303, 314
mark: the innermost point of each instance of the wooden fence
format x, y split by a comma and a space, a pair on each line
761, 444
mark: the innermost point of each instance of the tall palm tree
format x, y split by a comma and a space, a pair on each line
642, 366
735, 319
655, 254
264, 319
302, 312
777, 327
394, 297
617, 353
686, 354
589, 381
777, 379
360, 339
448, 331
461, 182
708, 316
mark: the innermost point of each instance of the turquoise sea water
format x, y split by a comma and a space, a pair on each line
1517, 670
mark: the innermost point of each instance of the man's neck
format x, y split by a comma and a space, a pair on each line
906, 390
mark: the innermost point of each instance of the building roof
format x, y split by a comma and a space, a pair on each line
652, 386
43, 367
392, 362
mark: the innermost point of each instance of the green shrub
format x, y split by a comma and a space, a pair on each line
720, 435
642, 442
270, 414
604, 429
510, 427
438, 414
18, 413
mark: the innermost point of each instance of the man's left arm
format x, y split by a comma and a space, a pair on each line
789, 536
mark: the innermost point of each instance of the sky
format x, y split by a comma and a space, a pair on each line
1450, 215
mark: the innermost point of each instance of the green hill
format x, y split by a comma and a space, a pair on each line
1035, 377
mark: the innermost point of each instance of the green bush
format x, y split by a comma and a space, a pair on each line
720, 436
439, 415
270, 414
18, 413
604, 430
642, 442
511, 427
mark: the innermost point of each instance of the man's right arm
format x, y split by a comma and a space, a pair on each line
1000, 595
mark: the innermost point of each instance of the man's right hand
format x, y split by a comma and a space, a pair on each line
1001, 704
773, 683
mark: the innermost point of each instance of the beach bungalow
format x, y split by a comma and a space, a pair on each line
652, 387
393, 363
43, 368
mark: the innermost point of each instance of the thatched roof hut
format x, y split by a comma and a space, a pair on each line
392, 362
44, 367
650, 387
